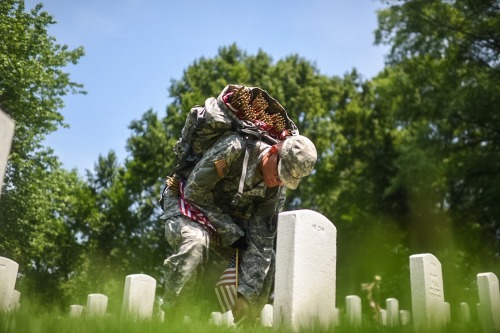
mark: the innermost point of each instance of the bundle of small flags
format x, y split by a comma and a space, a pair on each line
176, 186
256, 111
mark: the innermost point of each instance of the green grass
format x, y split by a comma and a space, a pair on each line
38, 320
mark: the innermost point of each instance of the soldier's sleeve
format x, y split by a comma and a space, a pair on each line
205, 176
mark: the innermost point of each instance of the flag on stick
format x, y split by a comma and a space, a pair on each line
227, 287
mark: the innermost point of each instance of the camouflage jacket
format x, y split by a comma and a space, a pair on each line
213, 184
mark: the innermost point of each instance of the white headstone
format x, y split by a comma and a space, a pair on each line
6, 135
139, 296
489, 300
392, 306
353, 310
266, 316
336, 317
14, 302
306, 256
404, 317
215, 318
97, 304
227, 319
8, 275
464, 312
427, 295
382, 313
76, 310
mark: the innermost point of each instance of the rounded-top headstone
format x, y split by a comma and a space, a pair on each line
306, 256
139, 296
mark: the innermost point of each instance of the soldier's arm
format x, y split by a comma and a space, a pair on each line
261, 227
203, 179
257, 261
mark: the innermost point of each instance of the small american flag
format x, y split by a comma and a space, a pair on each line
227, 287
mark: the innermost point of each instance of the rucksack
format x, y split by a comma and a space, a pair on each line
249, 111
245, 110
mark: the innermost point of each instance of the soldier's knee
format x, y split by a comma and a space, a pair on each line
194, 237
199, 244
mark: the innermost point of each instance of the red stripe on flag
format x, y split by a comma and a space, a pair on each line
194, 213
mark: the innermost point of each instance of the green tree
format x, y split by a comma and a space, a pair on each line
36, 217
352, 139
38, 197
32, 80
442, 86
107, 233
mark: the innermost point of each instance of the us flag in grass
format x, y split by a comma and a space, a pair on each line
227, 286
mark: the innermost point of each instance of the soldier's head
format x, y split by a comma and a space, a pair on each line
297, 157
287, 162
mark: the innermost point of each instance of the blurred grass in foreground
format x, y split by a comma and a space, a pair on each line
37, 320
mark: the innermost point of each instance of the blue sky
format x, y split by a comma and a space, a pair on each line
134, 48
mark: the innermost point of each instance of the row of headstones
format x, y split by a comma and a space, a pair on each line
138, 300
352, 316
429, 307
305, 282
392, 316
139, 305
312, 239
140, 294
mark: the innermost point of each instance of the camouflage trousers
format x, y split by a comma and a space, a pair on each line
196, 264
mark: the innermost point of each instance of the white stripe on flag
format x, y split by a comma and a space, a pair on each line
231, 290
224, 307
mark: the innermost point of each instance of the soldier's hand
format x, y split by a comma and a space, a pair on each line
241, 243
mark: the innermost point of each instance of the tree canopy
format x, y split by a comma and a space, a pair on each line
37, 195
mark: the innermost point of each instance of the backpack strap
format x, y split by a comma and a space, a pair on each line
250, 133
259, 135
244, 168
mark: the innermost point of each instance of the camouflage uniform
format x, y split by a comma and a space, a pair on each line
212, 190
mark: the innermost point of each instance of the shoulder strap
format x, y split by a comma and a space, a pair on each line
244, 168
